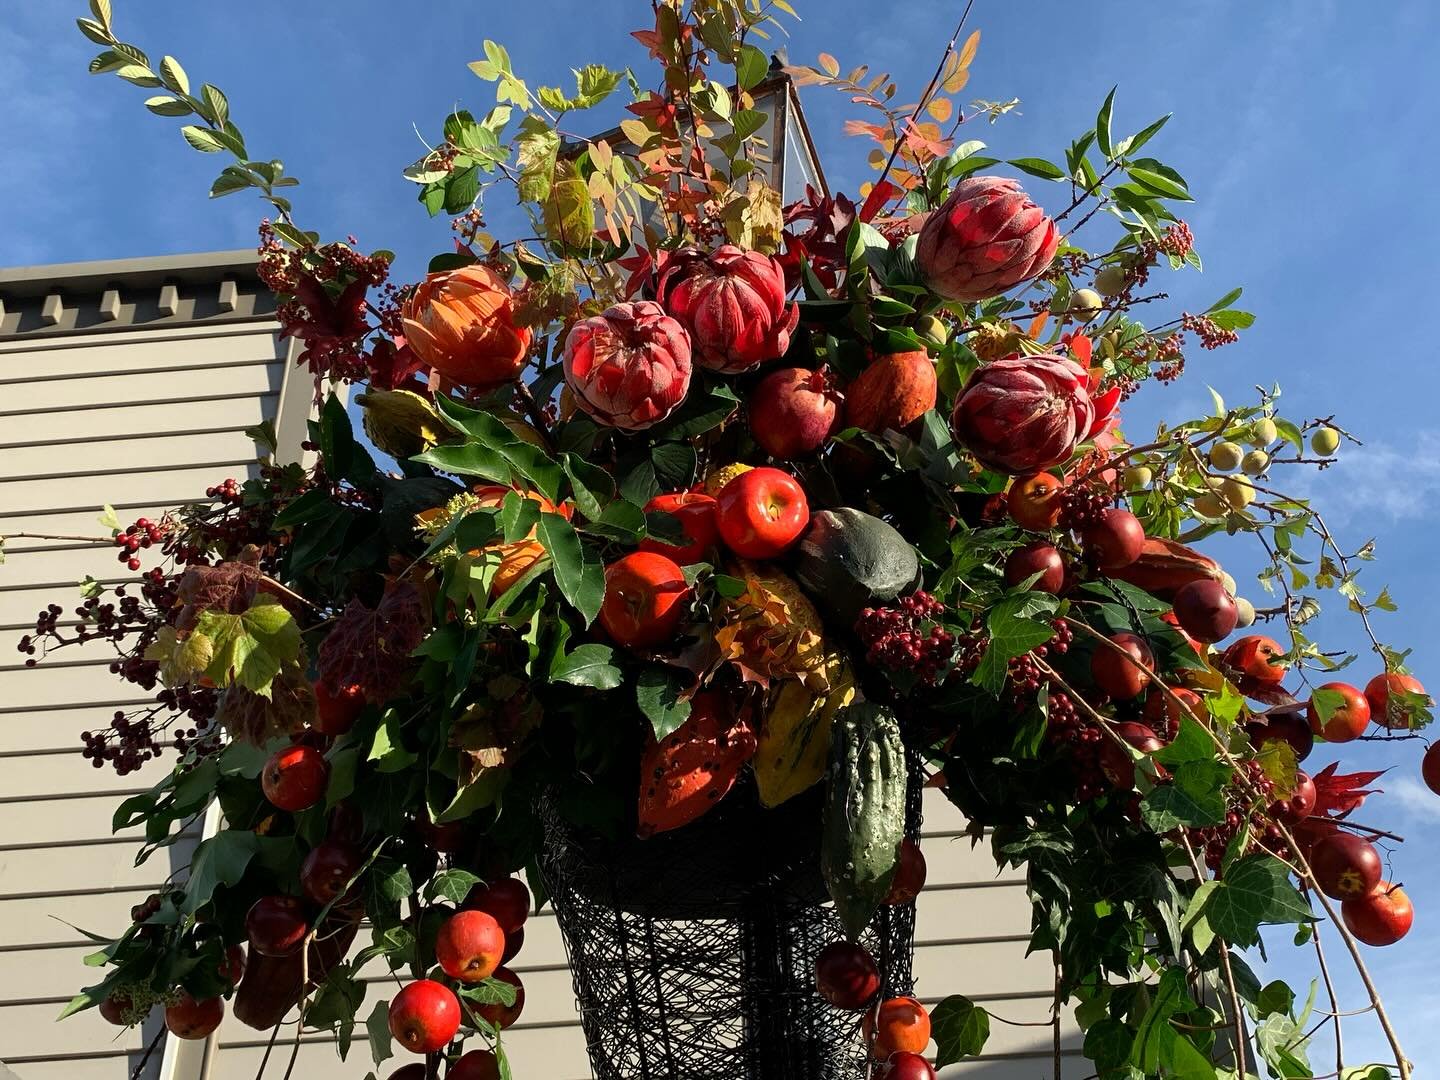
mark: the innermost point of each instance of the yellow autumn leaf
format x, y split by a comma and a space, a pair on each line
794, 745
941, 109
829, 65
967, 51
180, 659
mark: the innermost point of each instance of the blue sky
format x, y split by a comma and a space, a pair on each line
1305, 127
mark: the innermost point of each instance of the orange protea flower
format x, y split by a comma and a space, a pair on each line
462, 324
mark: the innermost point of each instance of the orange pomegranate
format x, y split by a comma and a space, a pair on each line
516, 559
462, 324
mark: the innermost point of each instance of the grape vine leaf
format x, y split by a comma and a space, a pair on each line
248, 649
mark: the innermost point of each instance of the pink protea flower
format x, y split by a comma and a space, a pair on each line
1025, 413
988, 237
733, 303
629, 366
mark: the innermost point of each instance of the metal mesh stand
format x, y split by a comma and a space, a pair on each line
693, 952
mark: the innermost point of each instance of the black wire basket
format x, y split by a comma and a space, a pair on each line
693, 952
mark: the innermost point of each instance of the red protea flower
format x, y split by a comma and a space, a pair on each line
988, 237
733, 303
1024, 413
629, 366
462, 324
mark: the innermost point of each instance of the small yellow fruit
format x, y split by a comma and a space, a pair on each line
1263, 433
723, 475
1137, 477
1085, 304
1110, 281
932, 331
1245, 611
1226, 456
1238, 492
1255, 462
1325, 441
1211, 505
1228, 581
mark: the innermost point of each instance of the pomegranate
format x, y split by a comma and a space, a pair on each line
191, 1019
1037, 558
276, 925
793, 411
1116, 764
892, 392
1114, 674
909, 874
1206, 611
327, 869
846, 975
1345, 866
1115, 540
1287, 725
1034, 501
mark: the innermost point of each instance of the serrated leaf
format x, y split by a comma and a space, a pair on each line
536, 153
249, 648
1256, 891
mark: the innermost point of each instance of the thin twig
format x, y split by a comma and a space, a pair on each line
108, 540
265, 1060
140, 1068
1334, 1001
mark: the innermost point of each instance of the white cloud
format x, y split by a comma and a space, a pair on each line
1413, 799
1380, 479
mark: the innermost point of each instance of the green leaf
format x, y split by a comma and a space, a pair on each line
220, 860
491, 991
538, 146
578, 570
569, 214
1144, 135
377, 1026
461, 190
594, 83
521, 459
960, 1029
249, 648
1256, 891
165, 105
1225, 301
101, 10
1166, 182
1108, 1044
387, 748
94, 31
750, 67
202, 139
658, 695
1038, 167
1014, 631
216, 104
451, 885
589, 665
174, 77
1195, 796
1102, 125
593, 486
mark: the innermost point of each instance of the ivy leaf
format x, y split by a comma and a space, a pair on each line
377, 1026
578, 570
589, 665
220, 860
452, 885
1195, 796
250, 648
960, 1028
659, 698
1256, 891
491, 991
1014, 631
1108, 1044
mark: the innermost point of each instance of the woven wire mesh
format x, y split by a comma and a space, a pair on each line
693, 952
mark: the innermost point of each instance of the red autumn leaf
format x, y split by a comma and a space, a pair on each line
370, 648
290, 708
859, 127
1338, 794
879, 195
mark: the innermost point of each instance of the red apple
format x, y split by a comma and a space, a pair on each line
1345, 866
1034, 501
424, 1016
469, 946
447, 838
1115, 540
1349, 719
696, 514
1378, 691
513, 944
191, 1019
1114, 674
505, 900
414, 1071
645, 596
901, 1025
1430, 768
335, 714
232, 967
502, 1016
476, 1065
1205, 610
906, 1066
1382, 917
846, 975
1252, 655
1037, 558
909, 874
1162, 714
793, 411
276, 925
761, 513
327, 869
295, 777
116, 1009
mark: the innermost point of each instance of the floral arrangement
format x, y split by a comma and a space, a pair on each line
692, 486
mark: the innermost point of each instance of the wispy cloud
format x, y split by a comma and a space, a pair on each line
1396, 483
1412, 798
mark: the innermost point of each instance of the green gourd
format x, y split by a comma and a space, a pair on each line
864, 811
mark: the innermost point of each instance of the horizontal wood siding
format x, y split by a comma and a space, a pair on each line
141, 420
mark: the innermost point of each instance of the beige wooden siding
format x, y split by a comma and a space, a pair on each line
141, 418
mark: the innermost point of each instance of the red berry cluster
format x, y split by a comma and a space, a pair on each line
1081, 741
1214, 840
1178, 240
909, 637
1081, 505
143, 534
1026, 677
1211, 335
